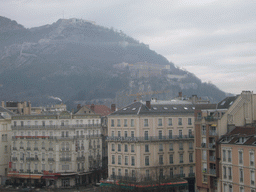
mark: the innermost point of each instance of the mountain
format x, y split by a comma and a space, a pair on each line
79, 61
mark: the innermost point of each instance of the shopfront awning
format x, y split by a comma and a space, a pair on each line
24, 176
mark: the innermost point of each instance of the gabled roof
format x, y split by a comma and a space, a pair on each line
138, 108
227, 102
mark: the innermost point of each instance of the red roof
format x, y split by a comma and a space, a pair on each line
101, 109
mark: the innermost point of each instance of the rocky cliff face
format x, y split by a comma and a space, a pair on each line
74, 59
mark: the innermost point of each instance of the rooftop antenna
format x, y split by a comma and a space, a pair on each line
63, 14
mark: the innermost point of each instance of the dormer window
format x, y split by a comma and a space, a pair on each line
241, 140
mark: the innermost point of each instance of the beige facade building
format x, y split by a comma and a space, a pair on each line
152, 141
5, 143
58, 150
213, 121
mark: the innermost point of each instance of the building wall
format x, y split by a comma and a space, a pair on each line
5, 148
157, 147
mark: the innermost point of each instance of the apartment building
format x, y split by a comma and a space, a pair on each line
211, 122
58, 150
237, 163
152, 141
5, 143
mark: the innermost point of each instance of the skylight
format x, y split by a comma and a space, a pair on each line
154, 108
165, 108
231, 102
185, 108
223, 102
133, 109
124, 109
193, 108
174, 108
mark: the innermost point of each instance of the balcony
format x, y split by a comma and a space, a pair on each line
29, 158
211, 118
212, 172
65, 159
17, 127
65, 149
21, 159
93, 136
191, 175
21, 147
21, 170
50, 149
14, 159
28, 148
35, 148
50, 159
212, 158
150, 138
80, 158
211, 145
14, 148
212, 133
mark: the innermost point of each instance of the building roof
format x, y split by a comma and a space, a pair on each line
101, 109
247, 134
4, 110
138, 108
227, 102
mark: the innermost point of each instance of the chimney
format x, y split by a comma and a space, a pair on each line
148, 104
180, 94
113, 107
2, 103
134, 100
92, 107
79, 106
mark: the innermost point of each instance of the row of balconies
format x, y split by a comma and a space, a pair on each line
209, 171
54, 126
51, 149
210, 145
149, 138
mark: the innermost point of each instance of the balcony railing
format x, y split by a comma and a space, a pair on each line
211, 145
94, 136
50, 149
150, 138
35, 148
212, 133
50, 159
212, 172
14, 159
211, 118
65, 159
212, 158
54, 126
14, 148
191, 174
80, 158
65, 149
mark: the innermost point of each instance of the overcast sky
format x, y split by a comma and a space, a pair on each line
214, 39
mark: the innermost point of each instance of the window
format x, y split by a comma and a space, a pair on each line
171, 172
118, 123
133, 173
161, 160
229, 156
160, 134
146, 160
112, 133
181, 172
145, 122
119, 133
180, 121
171, 147
180, 133
161, 173
224, 172
190, 133
125, 123
224, 155
113, 172
113, 159
190, 157
112, 123
113, 147
170, 121
181, 158
251, 159
4, 137
5, 148
190, 145
125, 134
204, 156
189, 121
252, 177
133, 161
191, 169
132, 134
119, 172
119, 160
146, 135
119, 147
230, 188
21, 123
180, 146
126, 172
146, 148
160, 122
125, 148
240, 154
241, 175
160, 147
203, 130
171, 159
126, 160
170, 134
132, 122
132, 148
230, 173
147, 174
